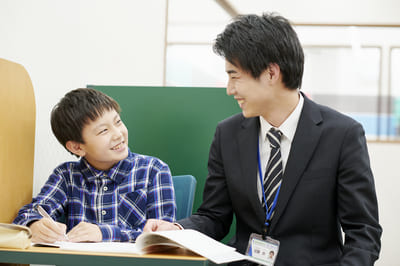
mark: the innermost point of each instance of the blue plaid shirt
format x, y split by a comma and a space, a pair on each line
118, 200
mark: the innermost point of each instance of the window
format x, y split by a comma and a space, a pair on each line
346, 79
351, 69
194, 65
394, 121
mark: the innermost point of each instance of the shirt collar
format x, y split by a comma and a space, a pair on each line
288, 127
92, 173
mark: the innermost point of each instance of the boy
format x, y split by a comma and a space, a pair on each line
110, 192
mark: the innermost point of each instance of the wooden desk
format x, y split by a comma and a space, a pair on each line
55, 256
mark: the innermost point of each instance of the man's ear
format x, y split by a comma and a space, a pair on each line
75, 148
273, 72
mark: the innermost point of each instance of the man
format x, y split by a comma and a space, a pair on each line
319, 181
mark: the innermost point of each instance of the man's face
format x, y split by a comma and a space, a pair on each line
106, 141
251, 94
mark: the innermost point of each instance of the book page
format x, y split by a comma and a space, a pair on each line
14, 236
108, 247
153, 242
193, 241
45, 244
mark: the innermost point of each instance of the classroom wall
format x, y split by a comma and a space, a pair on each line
384, 161
337, 11
69, 44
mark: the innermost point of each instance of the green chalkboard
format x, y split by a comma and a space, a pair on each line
175, 124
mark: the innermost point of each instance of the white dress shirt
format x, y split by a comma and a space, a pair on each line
288, 129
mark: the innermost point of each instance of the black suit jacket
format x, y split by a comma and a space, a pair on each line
327, 187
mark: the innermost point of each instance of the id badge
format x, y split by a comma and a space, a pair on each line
262, 251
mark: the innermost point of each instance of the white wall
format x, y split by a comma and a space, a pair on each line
335, 11
69, 44
384, 161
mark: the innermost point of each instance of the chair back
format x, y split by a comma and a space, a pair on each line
17, 139
185, 188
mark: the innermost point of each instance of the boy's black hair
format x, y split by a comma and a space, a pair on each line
253, 42
75, 110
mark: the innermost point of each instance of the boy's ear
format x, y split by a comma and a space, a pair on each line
75, 148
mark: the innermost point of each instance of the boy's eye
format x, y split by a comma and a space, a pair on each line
102, 131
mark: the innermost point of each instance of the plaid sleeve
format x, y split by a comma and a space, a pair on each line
51, 197
116, 233
161, 195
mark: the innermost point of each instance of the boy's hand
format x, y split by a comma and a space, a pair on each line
47, 231
85, 232
159, 225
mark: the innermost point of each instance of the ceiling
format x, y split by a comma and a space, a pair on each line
354, 12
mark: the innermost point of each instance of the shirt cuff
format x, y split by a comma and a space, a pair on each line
108, 232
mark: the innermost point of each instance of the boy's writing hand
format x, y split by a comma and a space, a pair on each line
85, 232
47, 231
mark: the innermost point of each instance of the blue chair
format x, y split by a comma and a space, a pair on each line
185, 187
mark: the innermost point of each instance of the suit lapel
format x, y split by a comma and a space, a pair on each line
305, 141
247, 144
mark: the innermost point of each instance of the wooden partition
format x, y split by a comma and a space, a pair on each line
17, 138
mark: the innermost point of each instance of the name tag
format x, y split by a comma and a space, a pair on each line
263, 251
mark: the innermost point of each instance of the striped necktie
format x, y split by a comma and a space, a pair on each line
273, 175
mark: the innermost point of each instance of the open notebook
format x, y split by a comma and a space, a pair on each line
154, 242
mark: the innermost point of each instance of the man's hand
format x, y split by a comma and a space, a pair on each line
85, 232
159, 225
47, 231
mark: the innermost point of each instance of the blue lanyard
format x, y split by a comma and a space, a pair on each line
268, 213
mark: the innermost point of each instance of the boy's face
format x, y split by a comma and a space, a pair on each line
106, 141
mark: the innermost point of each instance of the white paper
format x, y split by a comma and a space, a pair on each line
112, 247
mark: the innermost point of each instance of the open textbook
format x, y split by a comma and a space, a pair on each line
161, 241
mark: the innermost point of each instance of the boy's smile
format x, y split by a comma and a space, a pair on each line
105, 141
